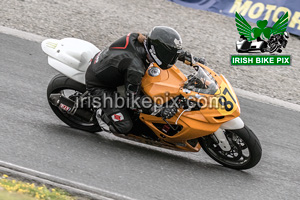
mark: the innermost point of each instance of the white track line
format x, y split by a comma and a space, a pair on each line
240, 92
22, 34
266, 99
54, 181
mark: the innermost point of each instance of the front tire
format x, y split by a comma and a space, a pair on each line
245, 150
60, 84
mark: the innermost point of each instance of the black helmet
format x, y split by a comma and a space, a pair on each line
164, 45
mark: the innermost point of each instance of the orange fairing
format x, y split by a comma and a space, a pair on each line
168, 84
165, 86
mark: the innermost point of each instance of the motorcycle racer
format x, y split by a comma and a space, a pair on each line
124, 62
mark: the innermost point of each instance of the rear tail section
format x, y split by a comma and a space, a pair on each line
70, 56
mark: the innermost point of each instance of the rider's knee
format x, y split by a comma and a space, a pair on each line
123, 127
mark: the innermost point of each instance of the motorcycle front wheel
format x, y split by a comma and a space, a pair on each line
245, 150
70, 88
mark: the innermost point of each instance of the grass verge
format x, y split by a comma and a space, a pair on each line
11, 189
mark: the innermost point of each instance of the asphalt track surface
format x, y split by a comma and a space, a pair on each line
32, 136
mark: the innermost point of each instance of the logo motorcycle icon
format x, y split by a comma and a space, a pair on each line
268, 39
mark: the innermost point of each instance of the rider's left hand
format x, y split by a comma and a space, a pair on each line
189, 59
200, 60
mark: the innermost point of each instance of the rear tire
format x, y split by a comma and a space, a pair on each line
245, 140
59, 83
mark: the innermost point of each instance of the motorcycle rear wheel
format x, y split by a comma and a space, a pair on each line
59, 84
245, 150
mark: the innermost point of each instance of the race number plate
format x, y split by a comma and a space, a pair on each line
226, 99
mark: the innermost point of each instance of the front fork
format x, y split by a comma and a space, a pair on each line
236, 123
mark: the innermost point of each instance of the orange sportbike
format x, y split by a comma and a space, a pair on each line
208, 108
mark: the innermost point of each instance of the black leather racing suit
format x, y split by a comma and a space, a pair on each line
123, 63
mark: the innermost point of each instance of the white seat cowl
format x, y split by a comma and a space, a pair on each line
72, 52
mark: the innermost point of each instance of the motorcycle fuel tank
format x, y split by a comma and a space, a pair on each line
162, 85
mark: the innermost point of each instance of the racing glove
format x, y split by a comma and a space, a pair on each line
188, 58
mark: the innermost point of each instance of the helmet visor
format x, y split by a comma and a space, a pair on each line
167, 55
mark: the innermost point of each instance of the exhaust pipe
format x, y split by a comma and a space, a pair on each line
71, 107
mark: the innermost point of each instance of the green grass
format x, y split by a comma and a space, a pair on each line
5, 195
11, 189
